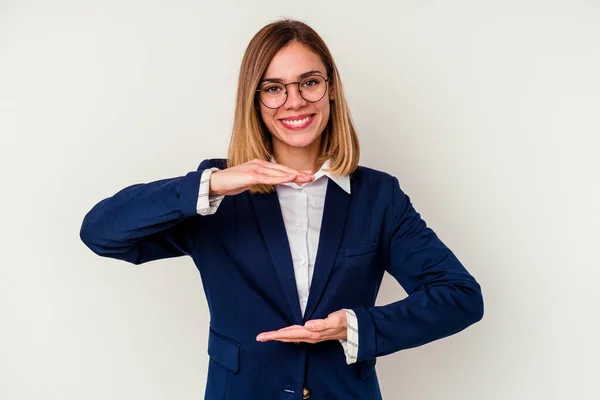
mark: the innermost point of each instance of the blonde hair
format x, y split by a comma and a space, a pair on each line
251, 139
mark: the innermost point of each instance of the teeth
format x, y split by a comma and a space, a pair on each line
296, 122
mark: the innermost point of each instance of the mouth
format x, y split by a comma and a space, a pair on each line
298, 122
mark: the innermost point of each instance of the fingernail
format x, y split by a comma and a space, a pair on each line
260, 338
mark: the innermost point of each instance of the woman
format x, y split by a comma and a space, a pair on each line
288, 321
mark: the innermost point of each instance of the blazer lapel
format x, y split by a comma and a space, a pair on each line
270, 220
335, 212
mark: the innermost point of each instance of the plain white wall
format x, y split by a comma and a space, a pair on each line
487, 111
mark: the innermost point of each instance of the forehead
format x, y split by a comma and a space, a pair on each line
293, 60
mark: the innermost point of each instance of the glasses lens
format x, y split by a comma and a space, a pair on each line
313, 88
272, 95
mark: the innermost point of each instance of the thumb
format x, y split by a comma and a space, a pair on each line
315, 325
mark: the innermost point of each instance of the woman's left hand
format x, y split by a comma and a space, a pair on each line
334, 327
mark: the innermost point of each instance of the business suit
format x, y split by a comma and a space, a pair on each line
244, 260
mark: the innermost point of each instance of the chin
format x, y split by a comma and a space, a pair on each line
298, 140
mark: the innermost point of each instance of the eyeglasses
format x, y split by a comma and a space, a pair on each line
274, 94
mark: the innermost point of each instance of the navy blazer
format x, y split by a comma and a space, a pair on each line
243, 257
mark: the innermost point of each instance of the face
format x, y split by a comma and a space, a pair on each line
297, 124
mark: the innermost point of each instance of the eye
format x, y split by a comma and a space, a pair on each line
274, 89
310, 82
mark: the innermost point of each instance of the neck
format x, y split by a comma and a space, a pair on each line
302, 159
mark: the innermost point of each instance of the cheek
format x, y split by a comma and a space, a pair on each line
325, 111
267, 115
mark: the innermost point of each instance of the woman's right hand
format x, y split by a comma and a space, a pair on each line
235, 180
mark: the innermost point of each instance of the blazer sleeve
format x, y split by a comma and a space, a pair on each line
145, 222
443, 298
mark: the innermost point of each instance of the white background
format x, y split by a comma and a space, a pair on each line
487, 111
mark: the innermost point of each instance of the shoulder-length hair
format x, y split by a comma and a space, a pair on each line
251, 139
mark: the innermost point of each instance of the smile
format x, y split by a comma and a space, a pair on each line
297, 124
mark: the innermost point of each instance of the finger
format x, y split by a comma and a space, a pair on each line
294, 334
279, 170
296, 341
280, 167
289, 327
275, 172
274, 180
304, 178
260, 169
316, 325
269, 333
263, 175
275, 177
264, 336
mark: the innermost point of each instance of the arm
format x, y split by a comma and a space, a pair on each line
151, 221
145, 222
443, 298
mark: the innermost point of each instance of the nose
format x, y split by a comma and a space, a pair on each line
294, 99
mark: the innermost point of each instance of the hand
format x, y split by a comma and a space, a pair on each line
235, 180
334, 327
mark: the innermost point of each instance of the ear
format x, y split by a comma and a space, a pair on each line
331, 93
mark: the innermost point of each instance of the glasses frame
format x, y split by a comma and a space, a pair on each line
285, 85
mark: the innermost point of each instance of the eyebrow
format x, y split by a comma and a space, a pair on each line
301, 76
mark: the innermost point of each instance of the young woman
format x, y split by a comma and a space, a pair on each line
292, 238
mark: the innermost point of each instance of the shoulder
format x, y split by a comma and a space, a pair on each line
383, 189
220, 163
372, 177
380, 186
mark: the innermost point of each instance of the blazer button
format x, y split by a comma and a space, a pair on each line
306, 393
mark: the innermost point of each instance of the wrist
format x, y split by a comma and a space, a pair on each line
212, 185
